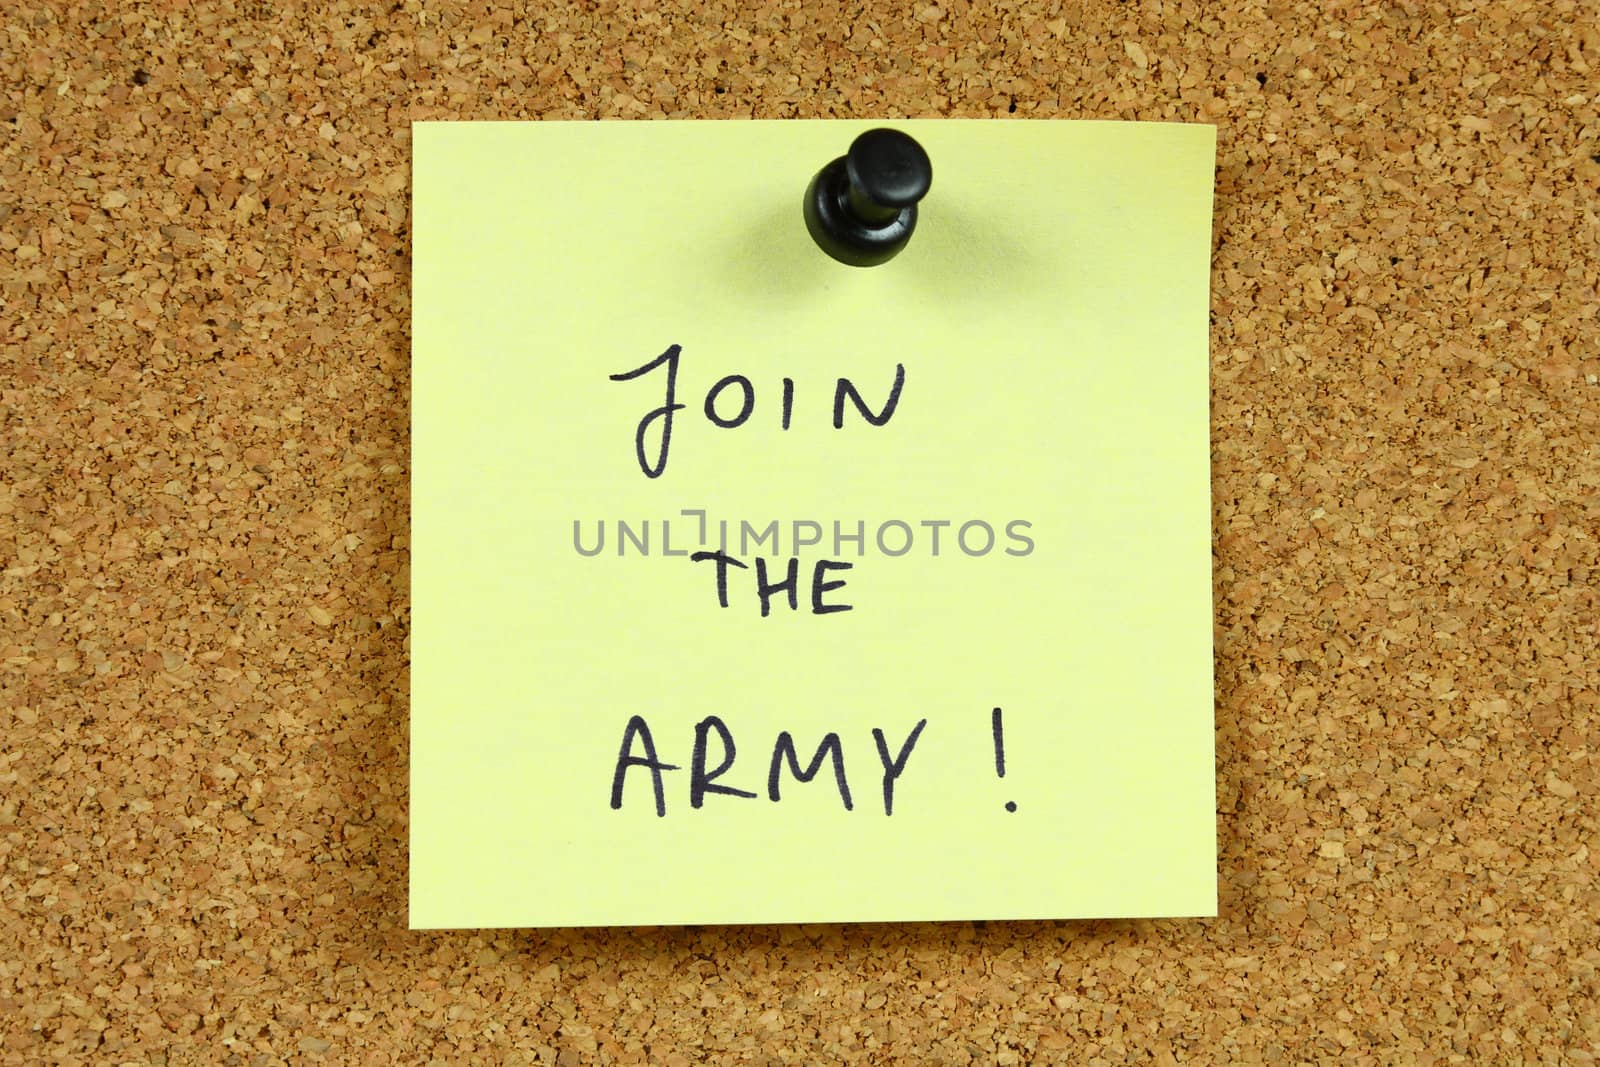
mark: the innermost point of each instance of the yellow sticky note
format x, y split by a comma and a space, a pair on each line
974, 481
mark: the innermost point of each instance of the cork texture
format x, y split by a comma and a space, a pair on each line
204, 389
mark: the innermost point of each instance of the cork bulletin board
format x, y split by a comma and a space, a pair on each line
204, 405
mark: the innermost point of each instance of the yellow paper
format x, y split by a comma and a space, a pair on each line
1050, 317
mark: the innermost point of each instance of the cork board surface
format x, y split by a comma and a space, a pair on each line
203, 539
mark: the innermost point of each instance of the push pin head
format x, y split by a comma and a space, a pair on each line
862, 207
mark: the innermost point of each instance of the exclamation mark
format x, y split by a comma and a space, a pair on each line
999, 731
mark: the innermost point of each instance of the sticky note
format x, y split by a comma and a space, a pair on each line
752, 587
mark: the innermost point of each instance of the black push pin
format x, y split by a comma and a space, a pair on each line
862, 207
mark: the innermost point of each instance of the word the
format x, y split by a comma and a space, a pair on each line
790, 584
703, 779
747, 403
